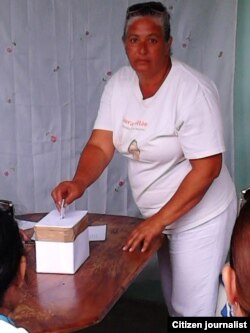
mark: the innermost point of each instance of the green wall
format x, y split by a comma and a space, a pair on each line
242, 97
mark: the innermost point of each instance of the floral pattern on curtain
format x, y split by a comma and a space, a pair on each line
56, 56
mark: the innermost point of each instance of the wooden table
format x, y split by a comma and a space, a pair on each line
67, 303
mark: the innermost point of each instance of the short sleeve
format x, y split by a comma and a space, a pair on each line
104, 117
200, 131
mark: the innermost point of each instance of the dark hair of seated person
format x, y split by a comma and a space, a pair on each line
11, 252
237, 275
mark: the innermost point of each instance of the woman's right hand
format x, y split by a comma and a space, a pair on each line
94, 158
67, 190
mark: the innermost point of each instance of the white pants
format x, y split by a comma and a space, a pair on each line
190, 265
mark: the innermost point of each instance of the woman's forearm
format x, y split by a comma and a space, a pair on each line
92, 163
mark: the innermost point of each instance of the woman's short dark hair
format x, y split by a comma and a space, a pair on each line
152, 8
11, 251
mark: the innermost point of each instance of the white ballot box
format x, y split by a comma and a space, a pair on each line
62, 244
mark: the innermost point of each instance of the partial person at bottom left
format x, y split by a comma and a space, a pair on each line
12, 271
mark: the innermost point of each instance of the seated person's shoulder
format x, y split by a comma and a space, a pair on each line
8, 328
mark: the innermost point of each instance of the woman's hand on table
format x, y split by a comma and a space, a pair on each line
144, 234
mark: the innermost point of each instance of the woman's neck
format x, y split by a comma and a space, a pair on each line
150, 85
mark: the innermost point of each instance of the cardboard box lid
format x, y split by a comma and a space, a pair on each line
53, 228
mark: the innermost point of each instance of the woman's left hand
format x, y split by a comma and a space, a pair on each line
189, 194
143, 235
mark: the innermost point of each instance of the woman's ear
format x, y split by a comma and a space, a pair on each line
168, 45
22, 271
170, 41
229, 279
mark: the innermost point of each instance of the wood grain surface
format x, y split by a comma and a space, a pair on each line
67, 303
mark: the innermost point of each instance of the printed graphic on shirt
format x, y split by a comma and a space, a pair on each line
134, 150
134, 124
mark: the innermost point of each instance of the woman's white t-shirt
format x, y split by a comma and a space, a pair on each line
159, 136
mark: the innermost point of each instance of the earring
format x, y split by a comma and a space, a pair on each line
235, 308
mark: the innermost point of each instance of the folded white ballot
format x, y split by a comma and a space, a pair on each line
97, 232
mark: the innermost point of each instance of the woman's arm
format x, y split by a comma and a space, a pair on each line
94, 158
189, 194
96, 155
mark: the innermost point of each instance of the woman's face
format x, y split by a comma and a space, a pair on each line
147, 51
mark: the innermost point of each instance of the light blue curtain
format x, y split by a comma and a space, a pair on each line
56, 56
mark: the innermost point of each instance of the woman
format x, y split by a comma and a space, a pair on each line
236, 274
169, 114
12, 271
